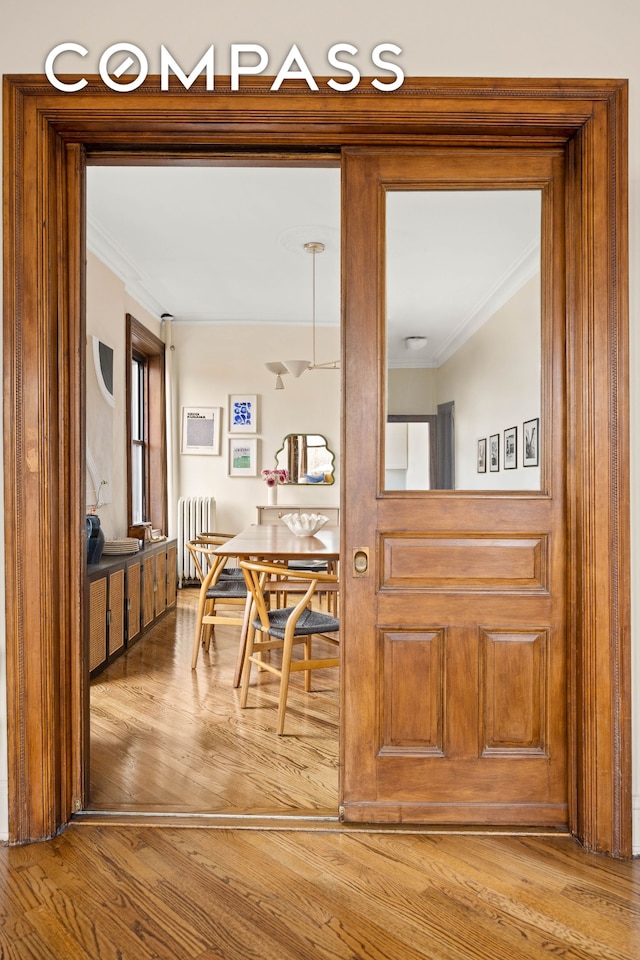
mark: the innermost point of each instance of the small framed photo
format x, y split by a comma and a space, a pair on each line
494, 452
510, 448
531, 443
243, 457
243, 413
482, 455
201, 430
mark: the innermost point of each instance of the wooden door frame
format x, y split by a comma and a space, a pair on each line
49, 136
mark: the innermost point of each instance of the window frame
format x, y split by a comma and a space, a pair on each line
142, 344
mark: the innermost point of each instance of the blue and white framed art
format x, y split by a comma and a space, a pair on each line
243, 413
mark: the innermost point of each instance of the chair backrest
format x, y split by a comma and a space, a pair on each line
202, 550
206, 559
217, 539
256, 575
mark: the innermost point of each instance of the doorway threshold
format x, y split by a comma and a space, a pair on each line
311, 822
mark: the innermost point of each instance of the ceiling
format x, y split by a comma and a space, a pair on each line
221, 244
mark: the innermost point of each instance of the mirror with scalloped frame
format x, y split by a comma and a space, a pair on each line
306, 458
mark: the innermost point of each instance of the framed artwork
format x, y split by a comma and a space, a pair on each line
201, 430
482, 455
494, 452
243, 413
510, 448
531, 443
243, 457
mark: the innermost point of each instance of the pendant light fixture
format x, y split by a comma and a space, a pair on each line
297, 367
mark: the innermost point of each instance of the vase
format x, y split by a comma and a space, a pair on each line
272, 495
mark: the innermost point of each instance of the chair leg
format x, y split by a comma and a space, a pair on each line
308, 648
246, 669
285, 672
242, 646
202, 604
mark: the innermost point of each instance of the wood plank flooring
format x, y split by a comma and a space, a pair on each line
164, 738
144, 893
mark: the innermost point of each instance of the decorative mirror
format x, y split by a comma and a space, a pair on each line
307, 458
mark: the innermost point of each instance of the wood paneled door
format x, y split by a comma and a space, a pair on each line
451, 603
455, 657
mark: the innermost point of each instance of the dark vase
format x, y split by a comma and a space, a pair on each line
95, 538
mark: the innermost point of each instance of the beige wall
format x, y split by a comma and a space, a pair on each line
208, 363
577, 38
107, 305
494, 380
411, 390
212, 361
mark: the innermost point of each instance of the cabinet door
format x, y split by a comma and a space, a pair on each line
134, 600
97, 622
116, 611
161, 583
148, 590
172, 575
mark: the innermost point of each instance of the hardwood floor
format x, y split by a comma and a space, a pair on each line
139, 893
165, 738
112, 887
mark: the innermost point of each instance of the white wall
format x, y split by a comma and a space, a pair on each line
208, 363
212, 361
494, 380
577, 38
107, 305
411, 390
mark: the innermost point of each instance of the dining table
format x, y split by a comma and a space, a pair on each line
275, 542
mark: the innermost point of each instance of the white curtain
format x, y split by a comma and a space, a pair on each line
172, 431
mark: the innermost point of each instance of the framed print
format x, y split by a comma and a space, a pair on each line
243, 413
531, 443
201, 430
494, 452
243, 457
482, 455
510, 448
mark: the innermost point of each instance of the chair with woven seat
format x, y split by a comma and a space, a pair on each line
217, 539
217, 593
284, 628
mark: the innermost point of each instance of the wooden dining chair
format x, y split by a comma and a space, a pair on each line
217, 595
281, 628
217, 540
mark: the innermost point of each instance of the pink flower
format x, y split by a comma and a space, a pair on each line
273, 477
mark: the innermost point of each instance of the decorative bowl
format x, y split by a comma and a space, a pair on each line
304, 524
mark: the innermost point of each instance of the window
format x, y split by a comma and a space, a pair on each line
138, 439
146, 435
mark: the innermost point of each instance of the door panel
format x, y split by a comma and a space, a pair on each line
455, 649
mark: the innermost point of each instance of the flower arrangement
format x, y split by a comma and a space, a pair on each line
99, 501
274, 477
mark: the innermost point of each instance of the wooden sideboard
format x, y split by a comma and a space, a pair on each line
126, 595
273, 514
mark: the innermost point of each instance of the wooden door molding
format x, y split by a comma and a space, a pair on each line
50, 135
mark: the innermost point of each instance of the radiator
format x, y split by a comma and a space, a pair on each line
195, 515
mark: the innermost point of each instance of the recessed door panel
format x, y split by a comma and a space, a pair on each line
455, 647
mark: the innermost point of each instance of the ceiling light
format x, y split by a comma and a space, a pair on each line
297, 367
279, 369
415, 343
